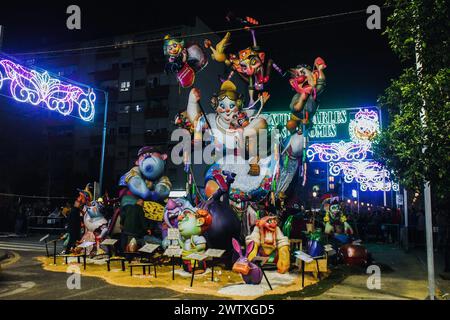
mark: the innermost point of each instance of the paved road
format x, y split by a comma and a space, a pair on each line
24, 278
403, 278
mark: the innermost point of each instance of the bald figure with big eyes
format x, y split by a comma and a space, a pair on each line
231, 124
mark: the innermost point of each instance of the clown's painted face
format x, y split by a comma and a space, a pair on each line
227, 109
250, 61
152, 165
173, 47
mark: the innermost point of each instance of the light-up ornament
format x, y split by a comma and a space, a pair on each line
370, 175
341, 151
36, 88
364, 127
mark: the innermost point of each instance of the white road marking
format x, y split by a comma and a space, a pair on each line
24, 286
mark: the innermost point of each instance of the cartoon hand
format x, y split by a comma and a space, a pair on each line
194, 95
253, 253
284, 260
265, 97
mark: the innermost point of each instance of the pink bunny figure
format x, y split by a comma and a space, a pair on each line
251, 273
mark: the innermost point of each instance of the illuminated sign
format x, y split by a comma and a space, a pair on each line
40, 89
325, 123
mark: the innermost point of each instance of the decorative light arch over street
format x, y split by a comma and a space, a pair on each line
39, 88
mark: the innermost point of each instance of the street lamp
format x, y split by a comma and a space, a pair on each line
102, 161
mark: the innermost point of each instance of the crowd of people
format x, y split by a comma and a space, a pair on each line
18, 214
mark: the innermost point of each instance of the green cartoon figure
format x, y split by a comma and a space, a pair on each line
192, 225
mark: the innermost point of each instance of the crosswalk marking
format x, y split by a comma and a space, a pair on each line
28, 247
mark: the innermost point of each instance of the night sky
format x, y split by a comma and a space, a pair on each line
360, 63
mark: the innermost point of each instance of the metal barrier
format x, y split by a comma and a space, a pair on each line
46, 223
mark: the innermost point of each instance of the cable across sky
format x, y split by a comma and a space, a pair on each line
136, 43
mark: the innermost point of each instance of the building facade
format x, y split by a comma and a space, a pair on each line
143, 102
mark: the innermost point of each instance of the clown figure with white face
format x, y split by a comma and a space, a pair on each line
231, 125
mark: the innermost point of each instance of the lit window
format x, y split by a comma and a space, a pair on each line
125, 86
139, 108
124, 109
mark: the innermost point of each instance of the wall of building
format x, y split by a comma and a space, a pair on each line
143, 102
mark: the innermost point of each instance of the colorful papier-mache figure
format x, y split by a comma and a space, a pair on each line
334, 216
174, 208
145, 189
183, 60
270, 242
73, 235
95, 226
308, 84
251, 63
230, 126
192, 225
146, 180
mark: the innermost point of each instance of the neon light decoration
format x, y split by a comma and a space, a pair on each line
342, 151
325, 123
350, 158
36, 88
369, 174
364, 127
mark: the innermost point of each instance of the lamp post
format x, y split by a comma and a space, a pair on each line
105, 125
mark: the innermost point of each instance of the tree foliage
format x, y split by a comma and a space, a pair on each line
419, 26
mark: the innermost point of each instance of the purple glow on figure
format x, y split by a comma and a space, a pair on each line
36, 88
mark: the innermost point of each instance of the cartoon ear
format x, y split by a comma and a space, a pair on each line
200, 221
237, 247
164, 156
249, 249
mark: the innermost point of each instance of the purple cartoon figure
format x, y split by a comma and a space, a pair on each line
251, 273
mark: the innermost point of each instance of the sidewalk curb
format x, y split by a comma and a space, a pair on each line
3, 255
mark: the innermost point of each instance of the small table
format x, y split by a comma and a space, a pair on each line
214, 253
112, 259
44, 238
84, 246
196, 257
172, 253
143, 265
54, 241
306, 258
260, 262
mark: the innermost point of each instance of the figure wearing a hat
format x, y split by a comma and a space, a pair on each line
73, 234
146, 180
308, 83
231, 123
